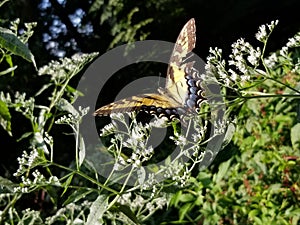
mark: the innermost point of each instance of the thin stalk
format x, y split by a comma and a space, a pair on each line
86, 177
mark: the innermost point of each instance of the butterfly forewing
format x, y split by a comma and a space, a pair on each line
136, 103
176, 84
185, 43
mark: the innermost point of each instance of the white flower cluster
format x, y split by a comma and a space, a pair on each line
241, 48
5, 97
27, 161
65, 67
201, 129
108, 129
294, 41
220, 126
141, 204
73, 118
244, 59
262, 34
22, 105
179, 140
137, 141
66, 119
134, 137
75, 211
28, 185
283, 57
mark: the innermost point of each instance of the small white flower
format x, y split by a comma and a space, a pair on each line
181, 140
238, 58
159, 122
271, 61
117, 116
294, 41
150, 207
108, 129
234, 75
245, 77
284, 51
272, 25
261, 35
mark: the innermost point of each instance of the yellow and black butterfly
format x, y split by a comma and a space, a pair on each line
182, 91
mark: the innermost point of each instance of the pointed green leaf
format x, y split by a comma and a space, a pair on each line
9, 70
223, 170
97, 210
43, 88
81, 150
295, 136
67, 183
127, 211
73, 90
3, 1
25, 135
6, 183
77, 195
5, 117
11, 42
229, 134
64, 105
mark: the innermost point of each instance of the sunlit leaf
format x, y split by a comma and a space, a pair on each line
127, 211
81, 150
11, 42
64, 105
9, 70
5, 117
295, 136
6, 183
97, 210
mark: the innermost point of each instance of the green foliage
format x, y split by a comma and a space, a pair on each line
259, 184
12, 44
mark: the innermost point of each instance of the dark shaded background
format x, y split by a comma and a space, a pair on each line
219, 24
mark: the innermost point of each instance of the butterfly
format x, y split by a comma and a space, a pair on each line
182, 90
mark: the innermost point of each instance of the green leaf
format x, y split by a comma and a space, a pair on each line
176, 198
187, 197
81, 150
73, 90
97, 4
295, 136
3, 1
43, 88
25, 135
223, 170
184, 210
64, 105
6, 183
11, 42
229, 134
67, 183
127, 211
5, 117
97, 210
9, 70
77, 195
